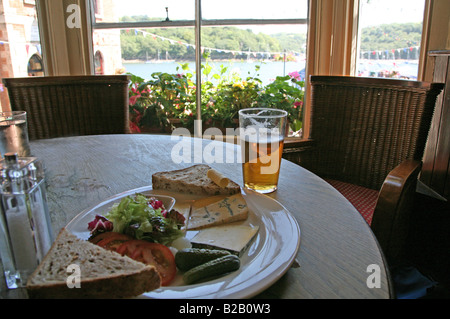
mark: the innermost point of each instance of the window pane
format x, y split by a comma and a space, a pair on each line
254, 9
233, 56
390, 36
240, 49
20, 46
248, 66
256, 51
146, 51
143, 10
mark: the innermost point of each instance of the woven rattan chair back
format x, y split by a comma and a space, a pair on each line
71, 105
364, 127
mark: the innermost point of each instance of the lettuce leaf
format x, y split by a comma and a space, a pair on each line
136, 216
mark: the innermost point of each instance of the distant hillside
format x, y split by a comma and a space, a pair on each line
391, 36
159, 42
235, 43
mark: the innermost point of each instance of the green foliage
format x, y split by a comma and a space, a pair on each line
291, 41
153, 103
136, 46
391, 36
167, 97
284, 93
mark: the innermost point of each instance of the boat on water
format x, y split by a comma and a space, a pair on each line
158, 59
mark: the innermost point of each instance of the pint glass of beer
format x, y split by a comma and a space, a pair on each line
261, 132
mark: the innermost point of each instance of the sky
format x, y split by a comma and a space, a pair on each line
214, 9
374, 12
378, 12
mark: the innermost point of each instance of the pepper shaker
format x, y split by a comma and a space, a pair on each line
25, 229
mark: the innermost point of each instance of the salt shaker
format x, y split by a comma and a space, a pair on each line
25, 229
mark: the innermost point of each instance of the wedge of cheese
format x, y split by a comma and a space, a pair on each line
234, 238
226, 210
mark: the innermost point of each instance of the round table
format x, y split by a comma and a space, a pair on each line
338, 249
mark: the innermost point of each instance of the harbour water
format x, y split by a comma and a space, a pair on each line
267, 73
407, 69
268, 70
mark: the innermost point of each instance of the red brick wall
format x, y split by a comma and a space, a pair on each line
12, 29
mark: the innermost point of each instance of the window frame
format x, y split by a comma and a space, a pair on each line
198, 23
66, 51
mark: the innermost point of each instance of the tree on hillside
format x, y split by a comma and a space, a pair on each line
391, 36
179, 42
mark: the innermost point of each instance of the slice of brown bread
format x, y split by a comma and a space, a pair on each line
102, 273
192, 180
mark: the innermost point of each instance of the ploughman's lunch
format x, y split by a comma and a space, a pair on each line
190, 229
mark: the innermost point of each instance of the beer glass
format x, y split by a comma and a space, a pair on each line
262, 132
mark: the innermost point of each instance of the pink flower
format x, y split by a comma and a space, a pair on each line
295, 75
133, 99
298, 104
134, 88
134, 128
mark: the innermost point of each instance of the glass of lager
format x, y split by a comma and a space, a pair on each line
261, 132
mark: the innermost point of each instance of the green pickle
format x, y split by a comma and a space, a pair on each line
212, 268
188, 258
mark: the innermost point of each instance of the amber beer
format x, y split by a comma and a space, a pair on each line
261, 166
262, 139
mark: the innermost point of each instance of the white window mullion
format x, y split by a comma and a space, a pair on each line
198, 64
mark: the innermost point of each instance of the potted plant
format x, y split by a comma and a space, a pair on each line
153, 103
169, 100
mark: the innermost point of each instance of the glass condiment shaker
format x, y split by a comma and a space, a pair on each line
25, 229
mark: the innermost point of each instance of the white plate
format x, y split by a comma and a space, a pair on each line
269, 256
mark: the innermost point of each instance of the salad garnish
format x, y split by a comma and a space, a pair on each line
99, 225
141, 217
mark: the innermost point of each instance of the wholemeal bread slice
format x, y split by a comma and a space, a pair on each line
102, 273
192, 180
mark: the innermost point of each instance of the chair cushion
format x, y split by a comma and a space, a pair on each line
364, 199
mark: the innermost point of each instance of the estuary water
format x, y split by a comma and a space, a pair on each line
270, 70
267, 73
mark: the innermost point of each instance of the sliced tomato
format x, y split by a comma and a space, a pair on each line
129, 247
159, 256
113, 241
97, 238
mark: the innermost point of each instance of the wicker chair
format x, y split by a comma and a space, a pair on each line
59, 106
367, 140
